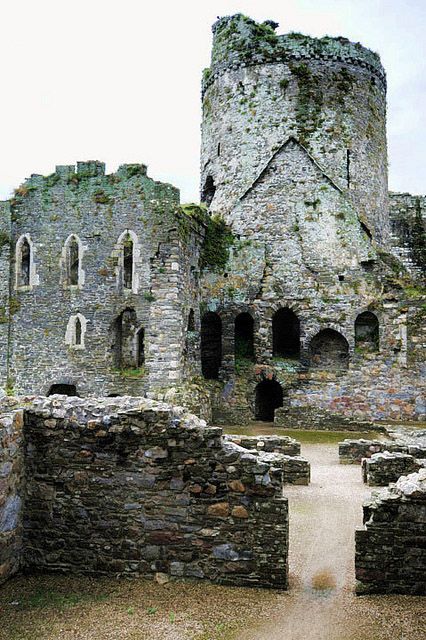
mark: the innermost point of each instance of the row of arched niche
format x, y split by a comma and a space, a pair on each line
127, 249
328, 349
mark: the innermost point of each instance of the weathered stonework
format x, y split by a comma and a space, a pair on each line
383, 468
11, 492
133, 487
353, 451
391, 549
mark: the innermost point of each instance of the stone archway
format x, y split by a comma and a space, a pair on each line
329, 350
269, 396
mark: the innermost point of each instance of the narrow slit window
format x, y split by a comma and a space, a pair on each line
78, 332
128, 264
348, 167
140, 346
73, 262
25, 265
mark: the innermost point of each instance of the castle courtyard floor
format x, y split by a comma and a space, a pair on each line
320, 604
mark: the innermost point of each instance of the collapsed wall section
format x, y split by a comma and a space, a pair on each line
134, 487
390, 555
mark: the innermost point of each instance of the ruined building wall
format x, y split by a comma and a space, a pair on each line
11, 492
390, 554
329, 94
101, 214
134, 487
408, 231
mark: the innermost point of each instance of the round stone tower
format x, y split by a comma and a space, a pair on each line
262, 89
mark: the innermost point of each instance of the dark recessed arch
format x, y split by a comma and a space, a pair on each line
269, 396
329, 349
244, 337
63, 389
367, 331
286, 334
211, 345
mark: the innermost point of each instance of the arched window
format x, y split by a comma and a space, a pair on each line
73, 274
244, 337
208, 191
269, 396
76, 331
124, 347
140, 348
329, 350
367, 332
286, 334
128, 263
127, 252
25, 275
211, 345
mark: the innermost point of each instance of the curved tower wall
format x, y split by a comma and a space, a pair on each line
328, 93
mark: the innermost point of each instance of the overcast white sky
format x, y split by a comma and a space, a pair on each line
119, 81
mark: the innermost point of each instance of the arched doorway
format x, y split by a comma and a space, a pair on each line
367, 332
329, 350
244, 337
63, 390
211, 345
286, 334
269, 396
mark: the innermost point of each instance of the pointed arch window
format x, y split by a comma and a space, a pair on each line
72, 254
128, 253
25, 268
76, 331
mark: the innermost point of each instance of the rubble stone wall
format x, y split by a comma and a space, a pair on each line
11, 492
390, 554
386, 467
135, 487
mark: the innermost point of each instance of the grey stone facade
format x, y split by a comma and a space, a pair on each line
295, 295
134, 487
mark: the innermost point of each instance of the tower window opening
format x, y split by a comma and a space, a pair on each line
341, 278
25, 264
218, 148
209, 190
286, 334
211, 345
348, 167
269, 396
73, 261
244, 337
191, 320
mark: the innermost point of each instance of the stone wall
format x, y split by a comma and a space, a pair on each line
353, 451
408, 231
383, 468
134, 487
11, 492
296, 469
390, 554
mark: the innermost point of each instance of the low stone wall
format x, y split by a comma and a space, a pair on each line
353, 451
390, 554
11, 489
135, 487
383, 468
271, 444
296, 469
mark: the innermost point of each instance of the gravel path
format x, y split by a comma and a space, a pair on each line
321, 604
